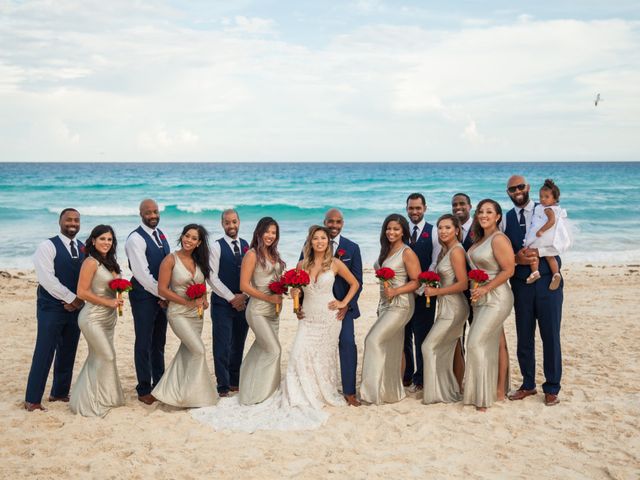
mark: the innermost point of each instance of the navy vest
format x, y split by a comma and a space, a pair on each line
154, 255
513, 231
423, 247
229, 269
468, 241
66, 269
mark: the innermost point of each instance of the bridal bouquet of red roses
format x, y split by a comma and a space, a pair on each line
385, 274
279, 289
295, 278
429, 279
120, 285
478, 277
197, 290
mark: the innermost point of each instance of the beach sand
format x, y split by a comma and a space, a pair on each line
593, 433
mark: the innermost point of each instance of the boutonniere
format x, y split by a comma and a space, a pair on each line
162, 237
341, 252
82, 250
472, 235
245, 249
425, 235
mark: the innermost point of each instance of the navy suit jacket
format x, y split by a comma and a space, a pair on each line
353, 260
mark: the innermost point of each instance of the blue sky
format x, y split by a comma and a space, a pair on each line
319, 81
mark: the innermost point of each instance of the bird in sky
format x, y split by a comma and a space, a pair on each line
598, 100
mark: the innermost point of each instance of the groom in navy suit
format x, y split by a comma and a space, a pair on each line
349, 253
533, 302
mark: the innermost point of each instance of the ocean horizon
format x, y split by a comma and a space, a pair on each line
596, 196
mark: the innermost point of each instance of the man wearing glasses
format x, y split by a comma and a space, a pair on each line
533, 301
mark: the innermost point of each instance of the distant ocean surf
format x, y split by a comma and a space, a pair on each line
601, 199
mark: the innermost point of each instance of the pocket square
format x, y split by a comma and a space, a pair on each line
345, 259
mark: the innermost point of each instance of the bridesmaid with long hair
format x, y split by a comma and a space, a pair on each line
187, 382
382, 363
98, 387
261, 265
438, 350
487, 371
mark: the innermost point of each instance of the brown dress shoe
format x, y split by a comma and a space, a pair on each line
30, 407
407, 383
58, 399
551, 399
352, 400
223, 394
147, 399
234, 389
520, 394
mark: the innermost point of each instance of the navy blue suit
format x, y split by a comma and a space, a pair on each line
536, 302
229, 326
58, 331
422, 320
149, 319
352, 258
347, 344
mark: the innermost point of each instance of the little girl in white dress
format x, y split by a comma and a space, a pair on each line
548, 231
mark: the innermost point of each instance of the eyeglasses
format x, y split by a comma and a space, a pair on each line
515, 188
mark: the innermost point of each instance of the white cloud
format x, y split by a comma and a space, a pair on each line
141, 82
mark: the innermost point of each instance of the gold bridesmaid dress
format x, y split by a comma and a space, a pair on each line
260, 370
483, 343
440, 384
187, 382
98, 387
382, 363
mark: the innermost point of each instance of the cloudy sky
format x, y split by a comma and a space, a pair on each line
276, 80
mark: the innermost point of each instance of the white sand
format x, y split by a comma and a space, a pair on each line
593, 433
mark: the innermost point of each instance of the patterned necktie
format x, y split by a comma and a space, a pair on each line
414, 235
156, 238
74, 250
236, 250
523, 222
333, 247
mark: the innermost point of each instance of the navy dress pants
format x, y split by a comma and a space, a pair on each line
415, 333
348, 355
150, 324
58, 335
230, 329
535, 302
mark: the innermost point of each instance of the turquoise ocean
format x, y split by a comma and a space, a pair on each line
601, 199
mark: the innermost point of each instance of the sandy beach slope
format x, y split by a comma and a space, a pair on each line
593, 433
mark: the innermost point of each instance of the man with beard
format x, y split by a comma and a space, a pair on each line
57, 262
533, 302
424, 242
228, 304
146, 247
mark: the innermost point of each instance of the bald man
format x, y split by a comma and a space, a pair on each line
533, 303
146, 247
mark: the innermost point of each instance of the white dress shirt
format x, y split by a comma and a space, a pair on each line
435, 249
214, 281
135, 248
45, 272
336, 245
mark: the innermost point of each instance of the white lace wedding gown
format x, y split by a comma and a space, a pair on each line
311, 381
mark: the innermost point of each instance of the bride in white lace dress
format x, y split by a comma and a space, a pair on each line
312, 377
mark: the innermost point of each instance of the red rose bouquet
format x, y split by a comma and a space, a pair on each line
429, 279
478, 277
279, 289
385, 274
295, 278
120, 285
197, 290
